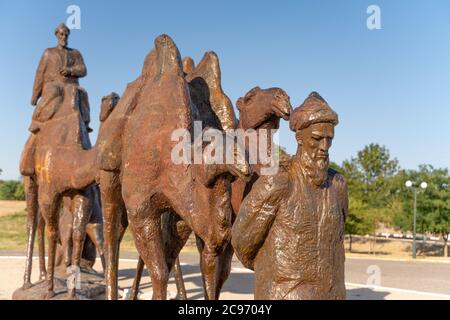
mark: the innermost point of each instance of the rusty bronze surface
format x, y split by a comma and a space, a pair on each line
57, 150
138, 133
131, 170
259, 109
290, 227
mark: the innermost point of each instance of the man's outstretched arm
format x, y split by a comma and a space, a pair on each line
256, 215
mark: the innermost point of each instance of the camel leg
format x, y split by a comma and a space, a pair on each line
111, 199
137, 279
209, 268
95, 233
200, 246
176, 232
66, 230
41, 243
95, 226
225, 259
181, 289
50, 213
82, 206
146, 223
31, 191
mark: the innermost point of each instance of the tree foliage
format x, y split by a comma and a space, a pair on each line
369, 178
12, 190
369, 175
377, 194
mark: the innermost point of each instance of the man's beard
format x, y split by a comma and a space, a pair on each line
316, 170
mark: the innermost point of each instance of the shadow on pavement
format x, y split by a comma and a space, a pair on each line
237, 283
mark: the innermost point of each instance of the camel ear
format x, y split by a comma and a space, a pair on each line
252, 92
106, 109
247, 98
240, 103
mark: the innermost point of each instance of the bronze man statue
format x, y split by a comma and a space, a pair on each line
59, 68
290, 228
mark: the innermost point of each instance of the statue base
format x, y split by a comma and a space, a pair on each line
91, 287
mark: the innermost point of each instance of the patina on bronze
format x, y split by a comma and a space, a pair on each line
150, 184
56, 150
290, 228
59, 66
259, 109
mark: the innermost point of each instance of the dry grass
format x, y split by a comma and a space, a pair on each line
393, 247
11, 206
13, 231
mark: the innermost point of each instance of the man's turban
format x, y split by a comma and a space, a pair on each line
313, 110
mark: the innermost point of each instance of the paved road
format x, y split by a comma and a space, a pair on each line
365, 278
413, 275
393, 279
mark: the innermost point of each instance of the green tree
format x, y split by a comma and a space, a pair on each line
369, 175
433, 203
19, 193
7, 190
359, 221
12, 190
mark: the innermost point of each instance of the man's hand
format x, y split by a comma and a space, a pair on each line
34, 101
65, 72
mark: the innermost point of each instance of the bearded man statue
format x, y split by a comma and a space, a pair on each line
290, 228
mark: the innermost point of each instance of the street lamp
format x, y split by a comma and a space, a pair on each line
423, 185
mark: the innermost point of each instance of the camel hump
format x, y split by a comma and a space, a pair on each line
188, 65
168, 59
208, 74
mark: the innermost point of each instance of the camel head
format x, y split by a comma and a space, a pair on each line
263, 108
213, 183
108, 104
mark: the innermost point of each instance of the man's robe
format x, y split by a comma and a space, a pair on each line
291, 234
48, 91
49, 84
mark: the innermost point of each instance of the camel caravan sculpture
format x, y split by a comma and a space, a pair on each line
137, 174
260, 110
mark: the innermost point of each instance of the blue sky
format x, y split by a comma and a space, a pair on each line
389, 86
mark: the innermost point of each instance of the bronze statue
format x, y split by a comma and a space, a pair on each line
82, 167
59, 66
138, 134
259, 109
59, 134
303, 206
290, 227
